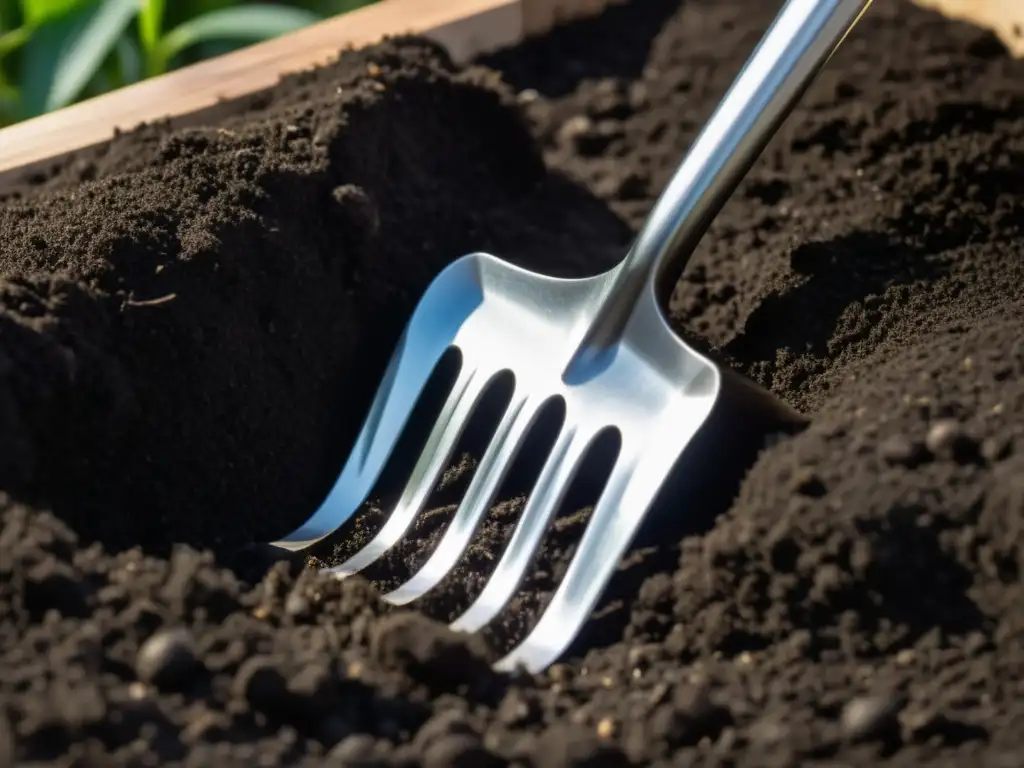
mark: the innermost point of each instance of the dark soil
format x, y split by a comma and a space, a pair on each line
192, 323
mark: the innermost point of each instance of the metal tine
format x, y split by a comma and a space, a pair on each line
410, 368
494, 465
451, 421
558, 472
630, 490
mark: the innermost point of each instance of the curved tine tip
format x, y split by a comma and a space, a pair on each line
451, 421
534, 660
393, 403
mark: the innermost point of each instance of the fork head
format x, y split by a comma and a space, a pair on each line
650, 388
602, 346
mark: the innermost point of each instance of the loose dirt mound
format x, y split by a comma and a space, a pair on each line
192, 323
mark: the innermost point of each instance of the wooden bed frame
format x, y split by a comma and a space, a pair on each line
466, 27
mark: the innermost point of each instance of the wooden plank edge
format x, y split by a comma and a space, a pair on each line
186, 96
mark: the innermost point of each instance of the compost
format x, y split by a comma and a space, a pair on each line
193, 321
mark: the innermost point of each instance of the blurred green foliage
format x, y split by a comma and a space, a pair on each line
56, 52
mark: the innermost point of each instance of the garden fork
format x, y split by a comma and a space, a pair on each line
600, 344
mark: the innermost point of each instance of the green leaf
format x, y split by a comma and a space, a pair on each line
151, 19
129, 60
65, 54
250, 24
13, 40
39, 63
35, 13
181, 11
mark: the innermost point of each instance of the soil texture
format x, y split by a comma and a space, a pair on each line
193, 322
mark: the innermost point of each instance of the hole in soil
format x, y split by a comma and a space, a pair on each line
426, 531
416, 545
558, 545
365, 524
467, 579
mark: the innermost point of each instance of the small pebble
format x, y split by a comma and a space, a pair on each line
871, 718
528, 96
297, 605
906, 657
574, 127
947, 439
168, 659
977, 643
942, 436
354, 749
558, 673
589, 138
901, 451
996, 448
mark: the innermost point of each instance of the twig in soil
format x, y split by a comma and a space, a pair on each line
151, 302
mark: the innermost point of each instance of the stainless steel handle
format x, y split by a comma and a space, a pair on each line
799, 42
